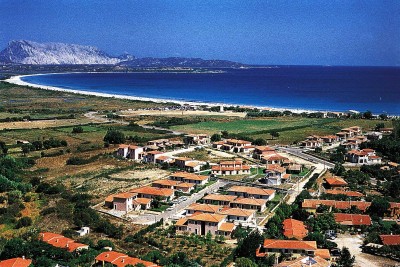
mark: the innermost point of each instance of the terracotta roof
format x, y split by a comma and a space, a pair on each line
347, 193
147, 190
110, 256
226, 227
290, 244
249, 201
183, 159
165, 182
123, 146
60, 241
182, 221
232, 168
155, 152
251, 190
163, 158
390, 240
192, 164
191, 176
294, 228
237, 212
335, 181
231, 162
218, 197
142, 201
185, 185
276, 167
124, 195
305, 262
46, 236
204, 207
121, 260
352, 219
323, 253
313, 203
286, 176
208, 217
274, 156
15, 262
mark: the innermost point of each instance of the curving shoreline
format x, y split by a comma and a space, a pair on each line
18, 81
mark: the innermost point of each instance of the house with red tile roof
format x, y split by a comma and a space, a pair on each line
16, 262
217, 199
61, 241
203, 223
153, 192
335, 182
189, 178
165, 183
311, 205
330, 139
390, 240
365, 156
235, 145
352, 219
185, 187
306, 261
251, 192
354, 194
151, 156
130, 152
259, 151
127, 201
203, 208
193, 166
274, 175
294, 229
249, 203
273, 158
120, 260
312, 141
238, 215
232, 167
295, 247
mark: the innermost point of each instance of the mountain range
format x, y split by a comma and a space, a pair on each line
34, 53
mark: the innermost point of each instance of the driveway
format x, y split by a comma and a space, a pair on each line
353, 243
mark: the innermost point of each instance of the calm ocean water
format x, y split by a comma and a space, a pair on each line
318, 88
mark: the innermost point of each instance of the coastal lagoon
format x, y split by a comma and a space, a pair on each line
293, 87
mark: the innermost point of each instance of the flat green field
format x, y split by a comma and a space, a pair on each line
291, 129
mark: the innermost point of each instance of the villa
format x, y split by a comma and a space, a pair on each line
196, 139
154, 192
130, 152
222, 200
252, 192
294, 229
365, 156
189, 178
295, 247
249, 203
61, 241
352, 219
16, 262
120, 260
335, 182
235, 167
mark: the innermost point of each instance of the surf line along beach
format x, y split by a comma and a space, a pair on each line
18, 81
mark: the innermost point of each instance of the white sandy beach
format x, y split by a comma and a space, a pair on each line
18, 81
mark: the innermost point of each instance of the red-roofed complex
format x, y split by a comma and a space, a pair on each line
364, 156
153, 192
335, 182
294, 229
235, 167
346, 193
307, 261
60, 241
390, 240
352, 219
15, 262
294, 247
120, 260
311, 205
189, 178
130, 152
252, 192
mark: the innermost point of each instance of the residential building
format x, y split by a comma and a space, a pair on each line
352, 219
234, 145
252, 192
124, 201
196, 139
365, 156
189, 178
193, 166
16, 262
119, 260
165, 183
249, 203
234, 167
311, 205
274, 174
335, 182
161, 159
354, 194
151, 156
154, 192
295, 247
238, 215
203, 208
390, 240
181, 162
203, 223
374, 135
260, 151
306, 261
185, 187
130, 152
222, 200
273, 158
312, 142
61, 241
294, 229
330, 139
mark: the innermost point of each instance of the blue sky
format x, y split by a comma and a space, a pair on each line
292, 32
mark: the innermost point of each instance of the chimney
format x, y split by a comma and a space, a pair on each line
23, 257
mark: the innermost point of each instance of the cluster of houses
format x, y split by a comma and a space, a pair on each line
108, 257
164, 190
350, 138
220, 214
231, 167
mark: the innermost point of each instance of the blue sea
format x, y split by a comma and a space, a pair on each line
296, 87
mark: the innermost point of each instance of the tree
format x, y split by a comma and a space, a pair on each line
345, 259
114, 137
245, 262
338, 169
367, 115
260, 142
77, 129
23, 222
248, 245
215, 137
26, 148
274, 134
379, 206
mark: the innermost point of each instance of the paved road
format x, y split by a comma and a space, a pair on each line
299, 153
152, 218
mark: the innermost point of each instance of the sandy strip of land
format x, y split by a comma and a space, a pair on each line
40, 124
18, 81
128, 113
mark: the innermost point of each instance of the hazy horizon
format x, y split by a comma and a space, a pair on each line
336, 33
